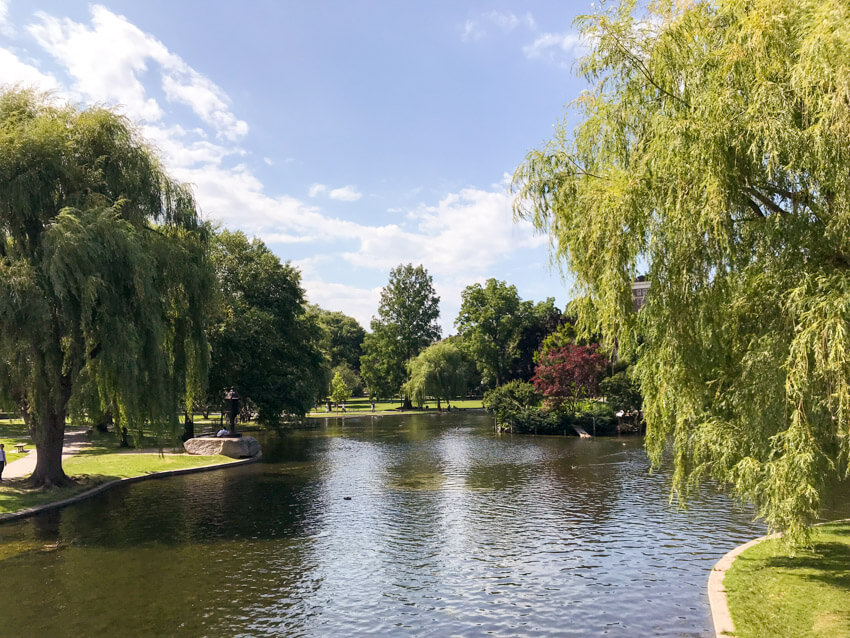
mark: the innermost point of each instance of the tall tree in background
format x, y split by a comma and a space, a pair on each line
713, 147
104, 274
264, 343
543, 319
490, 324
342, 340
406, 323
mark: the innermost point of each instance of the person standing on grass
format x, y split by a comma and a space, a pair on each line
2, 459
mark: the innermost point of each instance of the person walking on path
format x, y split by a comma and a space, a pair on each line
2, 459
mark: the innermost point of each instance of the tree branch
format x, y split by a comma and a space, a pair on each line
641, 67
754, 207
764, 199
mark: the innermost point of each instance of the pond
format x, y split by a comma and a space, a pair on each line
424, 525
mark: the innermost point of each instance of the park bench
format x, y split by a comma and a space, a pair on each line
19, 447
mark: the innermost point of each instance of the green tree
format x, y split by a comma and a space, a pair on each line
104, 275
490, 323
441, 370
621, 392
712, 147
512, 401
264, 343
342, 340
351, 378
406, 323
543, 319
340, 391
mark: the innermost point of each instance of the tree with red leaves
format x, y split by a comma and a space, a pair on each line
568, 374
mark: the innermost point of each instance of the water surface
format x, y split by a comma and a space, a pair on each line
449, 531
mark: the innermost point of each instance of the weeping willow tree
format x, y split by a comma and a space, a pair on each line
441, 370
104, 275
713, 151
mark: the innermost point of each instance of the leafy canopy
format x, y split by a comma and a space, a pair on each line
713, 148
340, 390
104, 274
263, 343
441, 370
490, 324
406, 323
342, 337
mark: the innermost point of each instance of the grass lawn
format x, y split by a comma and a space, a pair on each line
130, 464
11, 432
96, 467
364, 405
772, 593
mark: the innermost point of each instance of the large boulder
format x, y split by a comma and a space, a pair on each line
238, 448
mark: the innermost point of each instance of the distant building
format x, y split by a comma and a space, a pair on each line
640, 288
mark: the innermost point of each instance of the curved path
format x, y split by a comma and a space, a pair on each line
75, 440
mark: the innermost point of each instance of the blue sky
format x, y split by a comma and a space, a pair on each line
349, 136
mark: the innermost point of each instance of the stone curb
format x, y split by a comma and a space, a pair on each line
32, 511
723, 627
720, 616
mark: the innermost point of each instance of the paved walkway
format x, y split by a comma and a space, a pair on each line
74, 441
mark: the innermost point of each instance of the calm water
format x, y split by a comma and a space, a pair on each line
449, 531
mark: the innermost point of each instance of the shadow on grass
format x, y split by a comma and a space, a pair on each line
827, 561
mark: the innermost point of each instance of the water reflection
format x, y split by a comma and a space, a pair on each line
428, 525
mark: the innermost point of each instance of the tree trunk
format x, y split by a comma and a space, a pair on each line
439, 407
188, 427
49, 435
407, 405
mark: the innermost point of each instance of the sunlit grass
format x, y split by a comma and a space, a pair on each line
90, 470
365, 406
776, 594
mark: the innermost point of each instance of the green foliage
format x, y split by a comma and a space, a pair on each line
105, 280
510, 400
544, 319
441, 370
490, 323
621, 392
340, 390
406, 323
342, 337
712, 147
263, 343
351, 378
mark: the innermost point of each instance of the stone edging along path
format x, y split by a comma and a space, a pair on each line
31, 511
723, 626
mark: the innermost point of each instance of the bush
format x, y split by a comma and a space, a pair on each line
510, 400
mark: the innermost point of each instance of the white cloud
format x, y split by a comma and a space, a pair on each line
448, 237
557, 48
472, 31
459, 239
316, 189
342, 194
475, 29
13, 72
5, 26
108, 59
345, 194
269, 161
507, 22
360, 303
